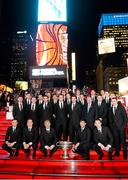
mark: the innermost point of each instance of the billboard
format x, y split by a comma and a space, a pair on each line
47, 72
51, 44
106, 45
52, 11
112, 19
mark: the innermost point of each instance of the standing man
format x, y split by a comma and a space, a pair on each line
75, 111
117, 122
82, 140
12, 139
18, 111
61, 112
90, 112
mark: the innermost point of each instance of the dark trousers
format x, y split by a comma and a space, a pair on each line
120, 140
100, 151
10, 149
43, 150
61, 128
83, 150
73, 128
34, 147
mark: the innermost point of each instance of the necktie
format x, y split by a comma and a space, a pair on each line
114, 110
88, 107
61, 105
73, 106
33, 107
20, 106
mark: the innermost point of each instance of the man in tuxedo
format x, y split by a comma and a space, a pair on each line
32, 112
30, 138
103, 139
75, 111
48, 139
90, 112
93, 95
117, 121
82, 100
61, 112
18, 111
82, 140
46, 110
102, 110
13, 139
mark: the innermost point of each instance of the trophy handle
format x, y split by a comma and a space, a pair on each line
57, 144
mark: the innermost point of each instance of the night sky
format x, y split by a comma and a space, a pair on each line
83, 19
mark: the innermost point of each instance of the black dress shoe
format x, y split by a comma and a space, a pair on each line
116, 154
12, 153
34, 155
100, 157
16, 153
110, 158
86, 158
45, 154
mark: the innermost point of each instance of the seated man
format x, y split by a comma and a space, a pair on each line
103, 139
48, 139
30, 138
12, 139
82, 140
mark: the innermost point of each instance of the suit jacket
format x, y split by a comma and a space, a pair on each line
119, 119
83, 137
30, 136
102, 112
33, 114
13, 136
48, 138
17, 114
91, 115
61, 114
75, 114
105, 137
46, 113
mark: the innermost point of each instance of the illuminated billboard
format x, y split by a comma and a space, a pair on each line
51, 44
52, 11
112, 19
47, 72
106, 45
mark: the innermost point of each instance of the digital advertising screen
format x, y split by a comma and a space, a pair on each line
51, 44
47, 72
52, 11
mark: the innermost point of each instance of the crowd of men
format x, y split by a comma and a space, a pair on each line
95, 121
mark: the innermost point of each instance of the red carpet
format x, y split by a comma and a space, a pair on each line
75, 167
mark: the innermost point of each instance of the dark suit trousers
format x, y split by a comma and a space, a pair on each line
100, 151
119, 139
73, 128
43, 150
61, 127
10, 149
83, 150
34, 147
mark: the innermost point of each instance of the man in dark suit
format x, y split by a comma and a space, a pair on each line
30, 138
32, 112
93, 96
46, 111
117, 122
90, 112
12, 139
82, 140
102, 110
75, 111
18, 112
48, 139
61, 112
103, 139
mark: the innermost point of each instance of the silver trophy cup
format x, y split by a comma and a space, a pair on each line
65, 145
